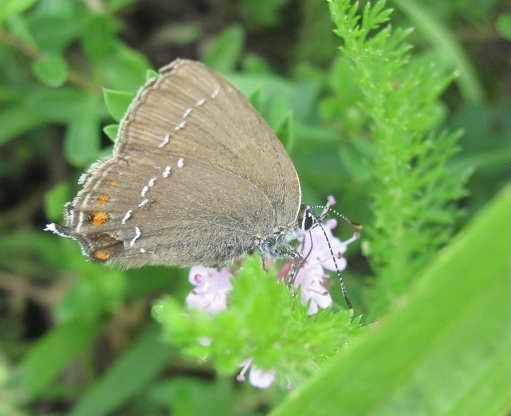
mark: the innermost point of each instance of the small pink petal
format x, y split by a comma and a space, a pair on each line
260, 378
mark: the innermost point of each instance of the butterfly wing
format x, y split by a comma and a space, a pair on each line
196, 177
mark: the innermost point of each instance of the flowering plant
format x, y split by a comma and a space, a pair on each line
250, 319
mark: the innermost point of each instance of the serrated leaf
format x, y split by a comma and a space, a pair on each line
443, 350
51, 69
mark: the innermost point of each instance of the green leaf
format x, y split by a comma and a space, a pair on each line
264, 322
98, 38
286, 132
117, 102
37, 253
54, 32
50, 356
51, 69
444, 350
99, 292
129, 376
444, 40
503, 25
18, 120
82, 139
55, 199
225, 52
111, 131
125, 71
266, 13
10, 7
59, 105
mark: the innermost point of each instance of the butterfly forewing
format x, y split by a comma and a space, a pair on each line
196, 177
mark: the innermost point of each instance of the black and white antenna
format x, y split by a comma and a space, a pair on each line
317, 221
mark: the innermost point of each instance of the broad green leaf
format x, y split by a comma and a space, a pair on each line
52, 32
111, 131
12, 94
99, 292
59, 105
225, 52
503, 25
17, 120
37, 253
444, 350
82, 139
98, 38
117, 102
51, 69
17, 26
277, 112
151, 73
50, 356
128, 377
125, 70
286, 132
55, 199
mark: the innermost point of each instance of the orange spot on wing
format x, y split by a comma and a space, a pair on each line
101, 255
103, 199
98, 218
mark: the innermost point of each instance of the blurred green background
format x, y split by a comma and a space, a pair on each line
77, 338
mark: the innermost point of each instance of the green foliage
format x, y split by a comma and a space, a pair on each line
263, 12
503, 25
414, 186
107, 394
117, 102
51, 70
263, 322
444, 350
43, 36
447, 48
225, 52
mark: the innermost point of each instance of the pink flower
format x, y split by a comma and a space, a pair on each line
257, 377
317, 248
321, 245
311, 278
212, 287
320, 250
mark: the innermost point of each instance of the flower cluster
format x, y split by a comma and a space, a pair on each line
321, 251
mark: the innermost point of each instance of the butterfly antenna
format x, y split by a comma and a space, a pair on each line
327, 209
341, 281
